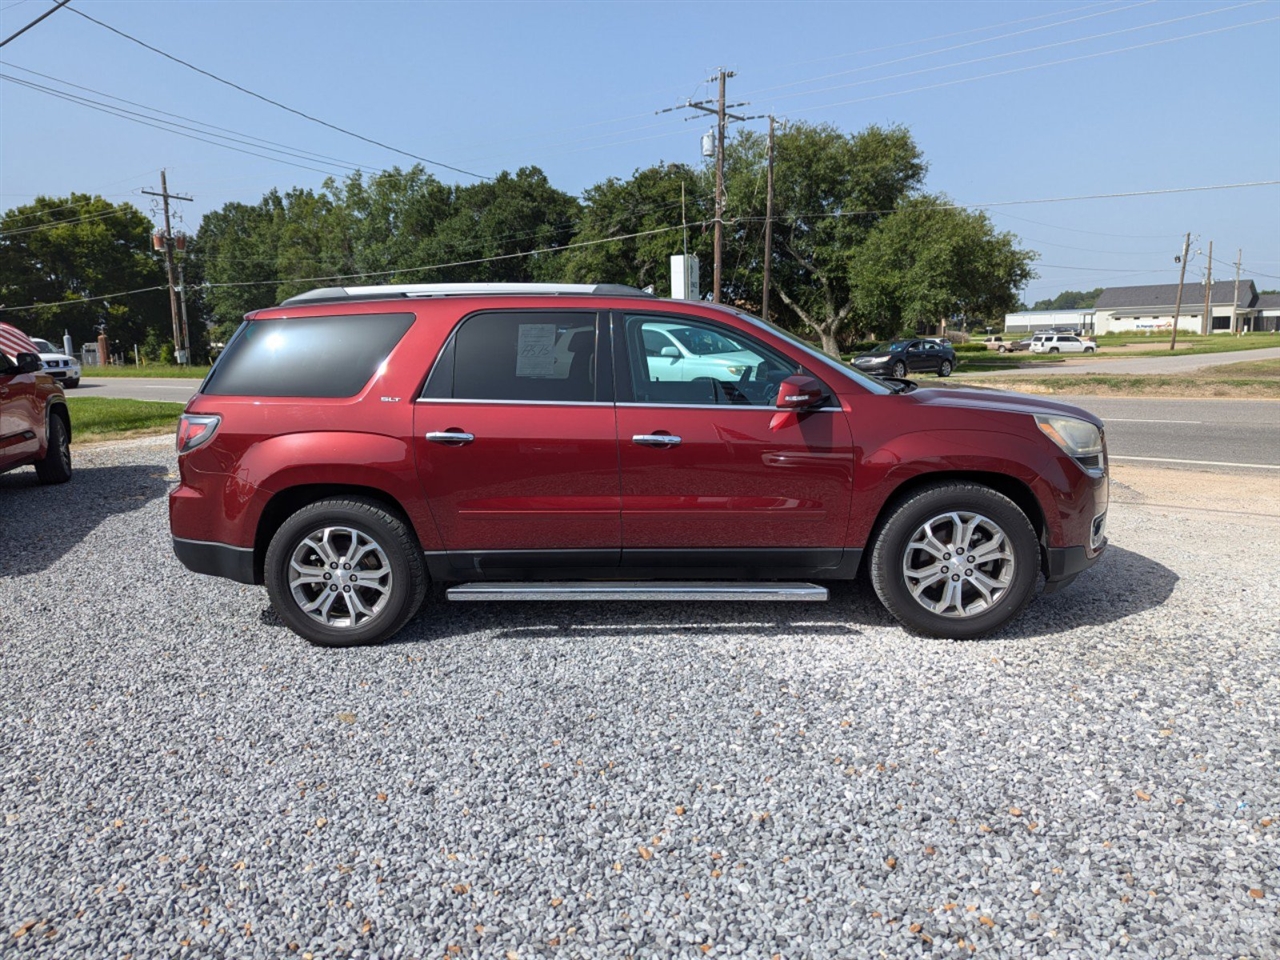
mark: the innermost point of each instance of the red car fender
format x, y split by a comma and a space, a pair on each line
880, 472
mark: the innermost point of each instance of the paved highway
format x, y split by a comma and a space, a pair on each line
1214, 435
137, 388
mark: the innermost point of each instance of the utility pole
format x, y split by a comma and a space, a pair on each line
768, 228
1206, 322
1235, 296
168, 260
1182, 276
720, 110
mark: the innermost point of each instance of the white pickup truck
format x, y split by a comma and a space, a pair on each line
1061, 343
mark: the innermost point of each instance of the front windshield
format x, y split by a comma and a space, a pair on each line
869, 384
44, 346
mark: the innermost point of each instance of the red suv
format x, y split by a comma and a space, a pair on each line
35, 427
537, 441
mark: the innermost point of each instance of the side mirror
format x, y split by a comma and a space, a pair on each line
799, 392
29, 363
671, 352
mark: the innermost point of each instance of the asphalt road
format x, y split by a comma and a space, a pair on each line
1201, 434
1114, 361
137, 388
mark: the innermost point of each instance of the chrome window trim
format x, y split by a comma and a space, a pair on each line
519, 403
723, 406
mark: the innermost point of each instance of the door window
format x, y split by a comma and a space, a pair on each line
531, 356
674, 360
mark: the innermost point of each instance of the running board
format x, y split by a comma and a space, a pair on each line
639, 590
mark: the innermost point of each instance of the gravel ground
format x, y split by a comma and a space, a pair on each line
183, 777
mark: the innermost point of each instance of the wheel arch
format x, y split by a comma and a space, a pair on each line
57, 407
285, 503
1012, 487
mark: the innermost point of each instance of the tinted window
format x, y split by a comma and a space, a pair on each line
736, 371
306, 356
520, 355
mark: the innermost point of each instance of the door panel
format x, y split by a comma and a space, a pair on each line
734, 479
535, 476
710, 464
535, 463
21, 417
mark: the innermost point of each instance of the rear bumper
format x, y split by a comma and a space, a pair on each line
216, 559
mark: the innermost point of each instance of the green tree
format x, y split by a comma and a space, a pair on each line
1070, 300
69, 249
929, 262
830, 191
648, 203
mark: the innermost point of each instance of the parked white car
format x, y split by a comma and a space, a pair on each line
683, 354
64, 369
1061, 343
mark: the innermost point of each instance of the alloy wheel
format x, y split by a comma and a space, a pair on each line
958, 564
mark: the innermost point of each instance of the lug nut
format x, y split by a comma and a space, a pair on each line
333, 586
968, 573
328, 576
955, 576
946, 569
333, 566
346, 566
346, 589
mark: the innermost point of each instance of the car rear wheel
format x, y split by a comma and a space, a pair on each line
955, 560
342, 573
1053, 349
899, 369
944, 368
56, 465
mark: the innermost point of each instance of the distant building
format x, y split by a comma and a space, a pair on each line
1150, 309
1034, 321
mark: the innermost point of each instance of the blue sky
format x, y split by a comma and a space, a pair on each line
573, 88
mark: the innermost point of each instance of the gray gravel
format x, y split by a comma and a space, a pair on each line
183, 777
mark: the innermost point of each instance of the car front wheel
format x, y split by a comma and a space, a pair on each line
342, 573
899, 370
955, 560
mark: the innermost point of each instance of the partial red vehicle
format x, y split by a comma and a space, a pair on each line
537, 441
35, 427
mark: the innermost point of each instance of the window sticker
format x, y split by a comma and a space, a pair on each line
536, 350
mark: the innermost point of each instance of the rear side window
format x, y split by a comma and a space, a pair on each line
306, 356
547, 356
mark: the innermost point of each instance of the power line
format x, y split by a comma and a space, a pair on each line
1016, 53
71, 221
47, 13
277, 103
157, 124
286, 148
71, 303
1038, 66
959, 46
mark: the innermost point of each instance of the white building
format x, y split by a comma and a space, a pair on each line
1150, 309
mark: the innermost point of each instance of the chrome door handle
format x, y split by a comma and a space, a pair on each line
656, 440
454, 438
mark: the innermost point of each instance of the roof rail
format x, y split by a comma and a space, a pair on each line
406, 290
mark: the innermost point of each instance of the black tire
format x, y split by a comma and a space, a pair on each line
1002, 349
899, 369
944, 368
56, 465
71, 384
1053, 349
389, 552
1088, 349
892, 555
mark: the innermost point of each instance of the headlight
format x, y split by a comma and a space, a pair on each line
1079, 439
735, 371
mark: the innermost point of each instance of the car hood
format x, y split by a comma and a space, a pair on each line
1001, 401
56, 356
878, 355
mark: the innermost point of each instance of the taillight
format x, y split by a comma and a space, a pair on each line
194, 430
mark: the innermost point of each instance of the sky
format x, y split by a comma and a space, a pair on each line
1010, 102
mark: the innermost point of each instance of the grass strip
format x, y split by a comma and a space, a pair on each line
149, 371
1133, 385
105, 418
